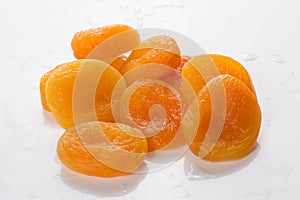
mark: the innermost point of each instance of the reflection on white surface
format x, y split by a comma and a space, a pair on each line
249, 57
101, 187
277, 58
36, 36
198, 169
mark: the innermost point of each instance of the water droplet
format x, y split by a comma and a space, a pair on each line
177, 185
278, 59
128, 18
179, 3
139, 20
268, 124
292, 72
6, 184
123, 188
33, 87
149, 13
267, 98
296, 91
196, 173
94, 21
174, 3
181, 191
56, 160
51, 52
12, 189
165, 4
124, 7
249, 57
31, 194
193, 177
186, 194
137, 9
28, 146
65, 176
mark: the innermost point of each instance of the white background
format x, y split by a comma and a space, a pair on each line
35, 37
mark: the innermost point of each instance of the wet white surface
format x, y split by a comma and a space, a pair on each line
36, 35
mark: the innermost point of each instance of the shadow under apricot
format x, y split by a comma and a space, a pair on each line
101, 187
196, 169
49, 120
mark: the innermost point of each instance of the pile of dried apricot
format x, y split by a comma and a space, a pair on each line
125, 98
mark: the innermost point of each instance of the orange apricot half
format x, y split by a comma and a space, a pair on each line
102, 149
60, 94
222, 65
241, 125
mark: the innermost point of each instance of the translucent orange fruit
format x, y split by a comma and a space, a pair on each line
43, 83
104, 42
184, 59
242, 121
118, 62
155, 50
160, 42
90, 148
224, 65
59, 91
157, 111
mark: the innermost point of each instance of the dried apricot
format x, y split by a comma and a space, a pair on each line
82, 149
184, 59
224, 65
155, 50
157, 111
241, 126
161, 42
59, 91
43, 83
118, 62
105, 42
